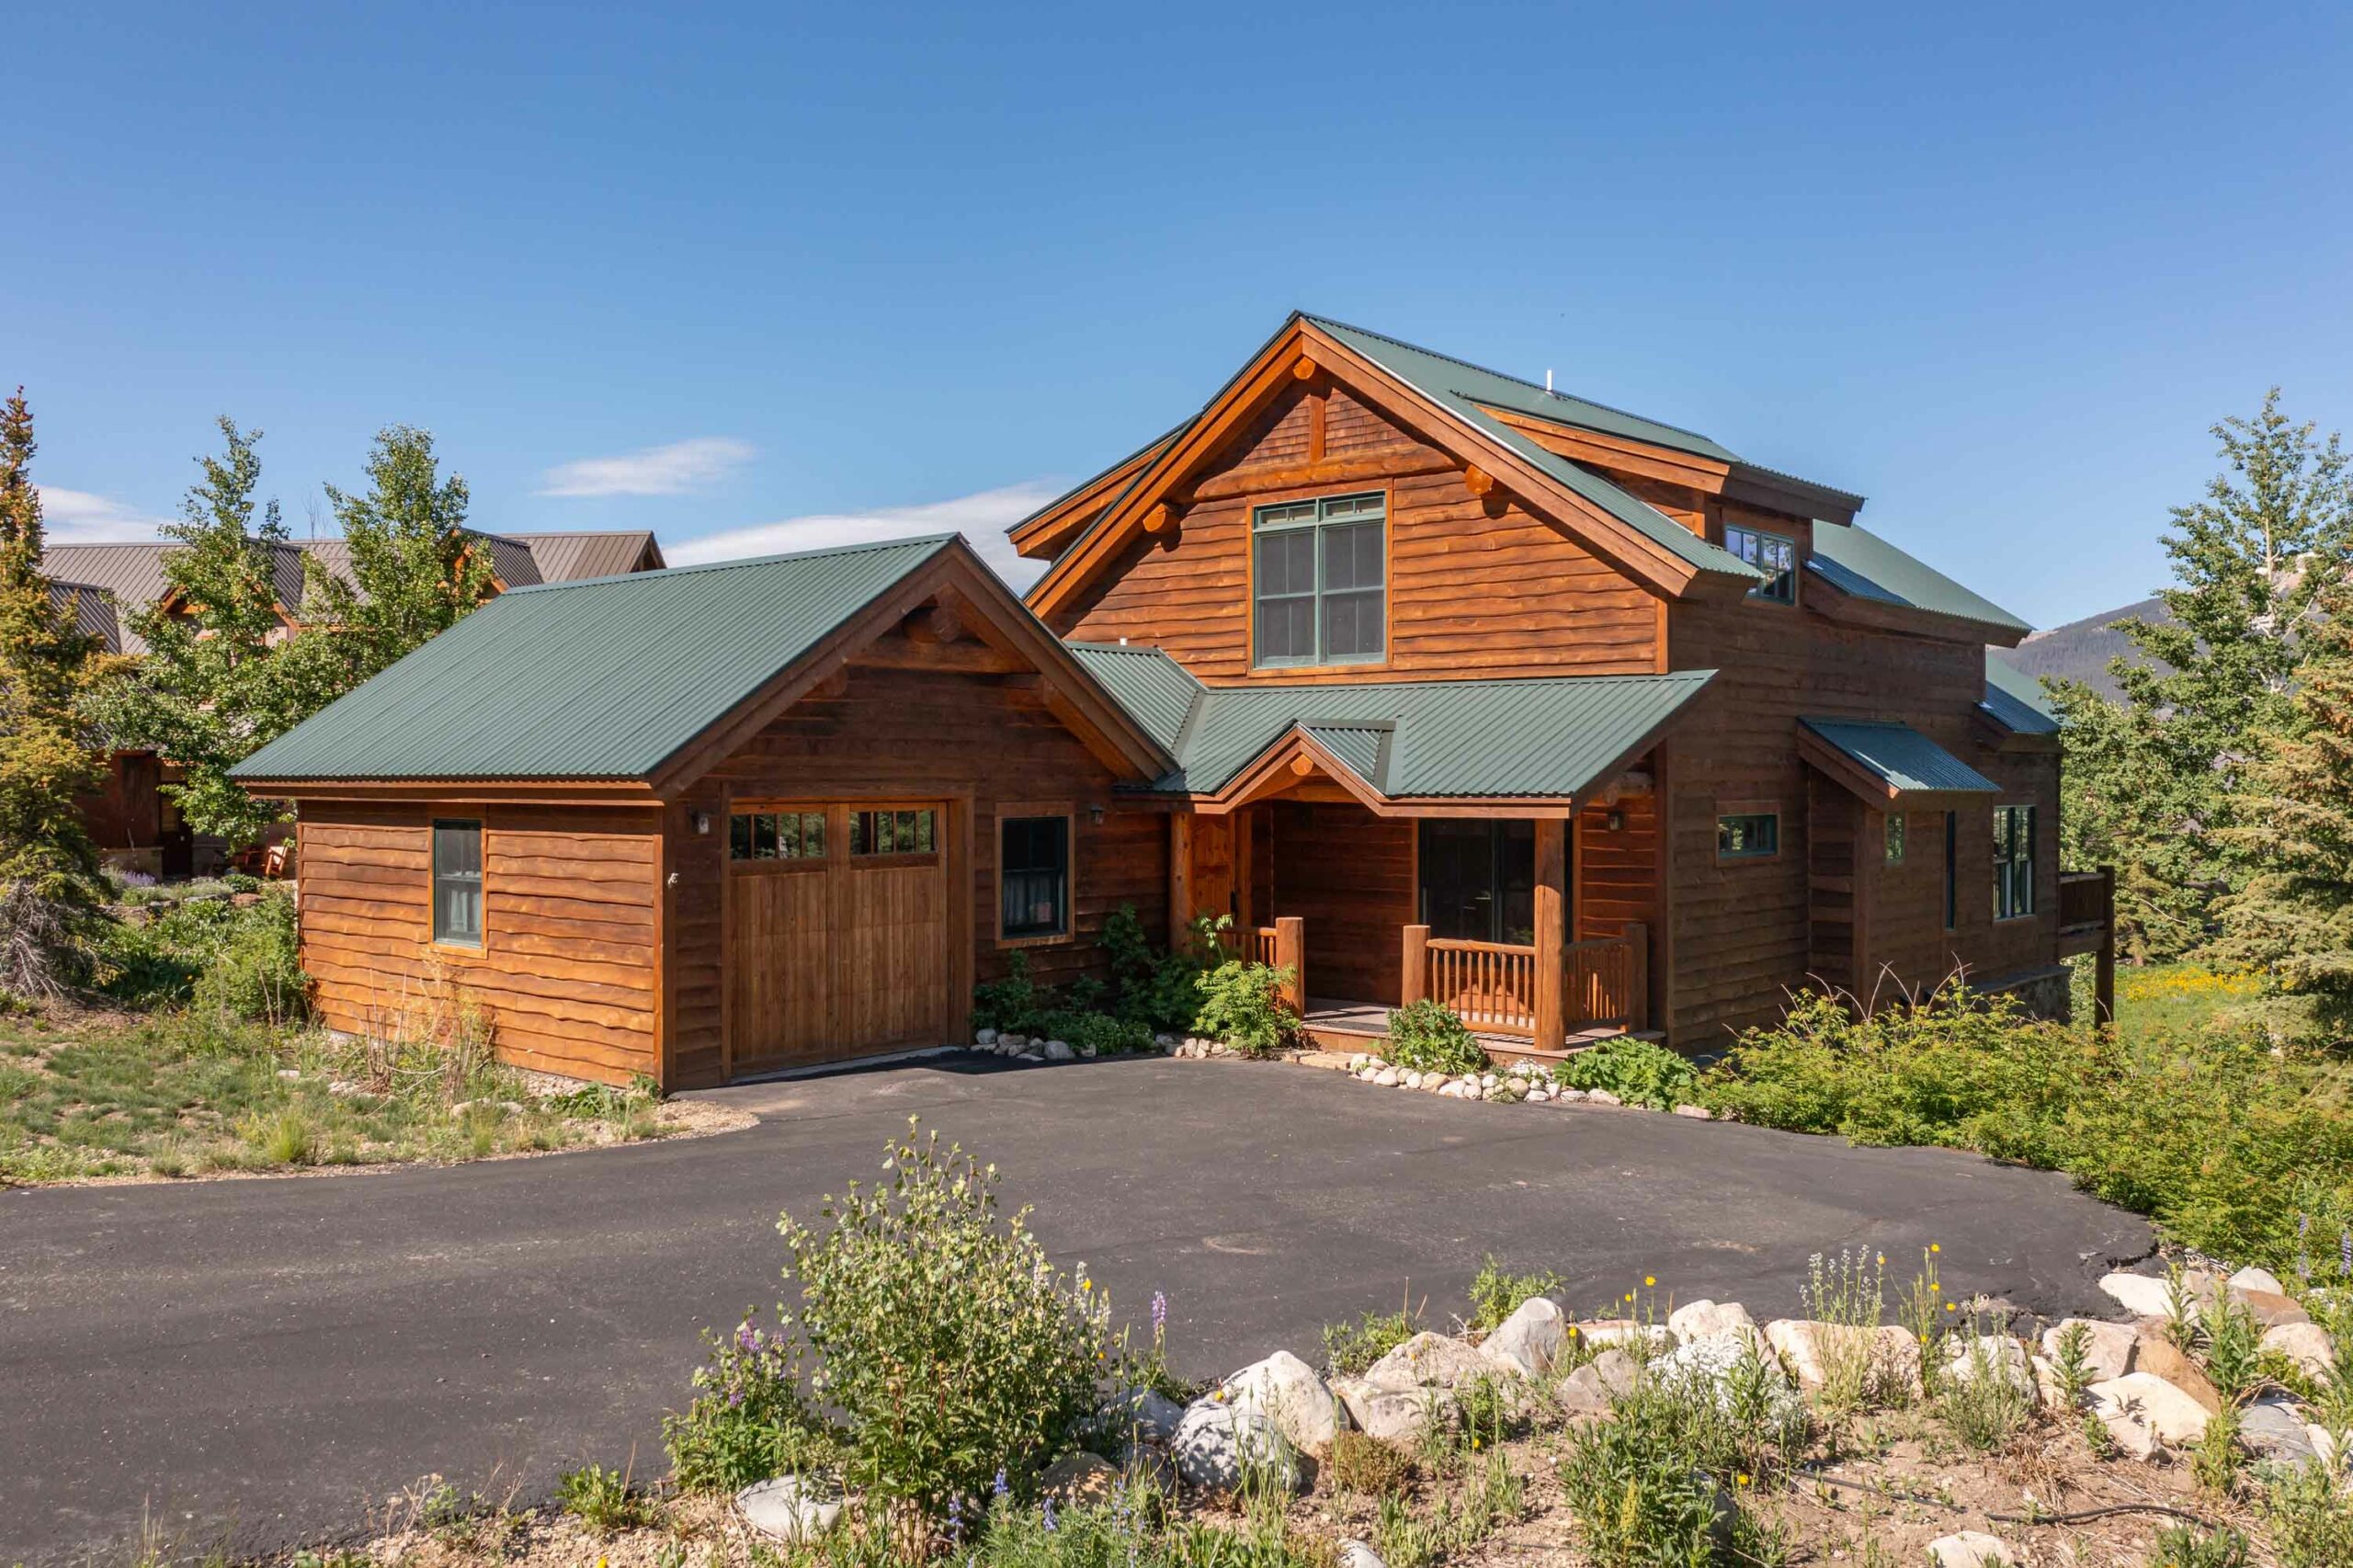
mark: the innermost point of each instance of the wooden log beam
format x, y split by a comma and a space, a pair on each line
1290, 953
939, 624
1303, 766
1552, 933
1163, 520
1478, 481
1180, 880
1303, 369
1413, 976
963, 658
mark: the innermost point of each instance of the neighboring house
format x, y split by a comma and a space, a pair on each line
131, 820
1436, 682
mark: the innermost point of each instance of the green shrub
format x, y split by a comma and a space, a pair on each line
748, 1422
1983, 1407
1242, 1004
2188, 1546
1496, 1292
1638, 1072
2225, 1141
1427, 1037
937, 1345
2311, 1519
1646, 1484
1352, 1346
603, 1500
1150, 987
255, 972
1016, 1002
1366, 1466
1104, 1032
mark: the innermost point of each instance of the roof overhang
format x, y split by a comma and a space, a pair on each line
1890, 766
1047, 531
1733, 481
1825, 597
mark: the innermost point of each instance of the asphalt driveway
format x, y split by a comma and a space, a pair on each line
262, 1359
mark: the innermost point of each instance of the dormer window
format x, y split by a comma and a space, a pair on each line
1776, 555
1320, 580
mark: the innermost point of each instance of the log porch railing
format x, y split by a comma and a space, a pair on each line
1281, 945
1493, 986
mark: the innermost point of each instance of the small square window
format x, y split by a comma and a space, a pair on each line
1776, 555
1748, 835
1895, 838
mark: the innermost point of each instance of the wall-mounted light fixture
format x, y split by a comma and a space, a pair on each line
1617, 821
1095, 814
702, 821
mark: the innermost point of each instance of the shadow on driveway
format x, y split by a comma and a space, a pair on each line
265, 1358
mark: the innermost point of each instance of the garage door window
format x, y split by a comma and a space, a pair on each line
457, 883
776, 835
893, 833
1033, 876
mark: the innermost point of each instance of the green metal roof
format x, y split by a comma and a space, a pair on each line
2016, 699
1855, 561
602, 679
1459, 389
1900, 755
1542, 738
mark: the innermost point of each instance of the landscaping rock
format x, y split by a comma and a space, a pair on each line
2144, 1412
1081, 1478
1695, 1112
1809, 1348
1058, 1051
1431, 1360
2107, 1347
1695, 1321
791, 1509
1013, 1043
1356, 1555
1602, 1096
1287, 1392
1530, 1340
1625, 1331
2157, 1356
2305, 1344
2256, 1279
985, 1038
2274, 1429
2138, 1294
1712, 1362
1970, 1548
1570, 1095
1971, 1356
1154, 1416
1589, 1389
1215, 1443
1387, 1078
1399, 1416
2272, 1309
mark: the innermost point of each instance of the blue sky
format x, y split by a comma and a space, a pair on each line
775, 275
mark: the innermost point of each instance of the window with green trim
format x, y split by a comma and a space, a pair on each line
1776, 555
1320, 580
457, 883
2013, 862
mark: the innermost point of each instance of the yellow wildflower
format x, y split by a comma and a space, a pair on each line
1647, 1279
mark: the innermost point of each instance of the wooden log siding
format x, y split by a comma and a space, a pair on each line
566, 976
1469, 594
968, 738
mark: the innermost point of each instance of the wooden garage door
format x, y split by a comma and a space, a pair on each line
838, 930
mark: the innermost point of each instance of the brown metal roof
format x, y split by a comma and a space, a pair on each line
569, 557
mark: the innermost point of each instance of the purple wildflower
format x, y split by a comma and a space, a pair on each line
735, 1398
748, 1338
955, 1518
1159, 1311
2345, 1252
1001, 1487
1050, 1523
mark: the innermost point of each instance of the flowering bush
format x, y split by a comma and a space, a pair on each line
934, 1351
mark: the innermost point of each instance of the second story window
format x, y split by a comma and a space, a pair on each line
2013, 862
1776, 555
1320, 580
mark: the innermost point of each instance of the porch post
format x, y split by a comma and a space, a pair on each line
1637, 937
1290, 953
1414, 978
1552, 929
1180, 878
2104, 966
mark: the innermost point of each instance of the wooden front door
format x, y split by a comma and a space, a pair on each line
836, 930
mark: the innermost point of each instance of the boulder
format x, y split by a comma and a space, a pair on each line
1971, 1356
2107, 1347
1217, 1444
1695, 1112
2272, 1309
1388, 1078
1702, 1319
2144, 1412
1810, 1348
1356, 1555
1602, 1096
1530, 1340
2256, 1279
2157, 1356
1152, 1416
1013, 1044
985, 1038
1399, 1416
2138, 1294
1058, 1051
1970, 1548
2305, 1344
2048, 1388
1287, 1392
2275, 1430
1431, 1360
1589, 1389
1081, 1478
791, 1509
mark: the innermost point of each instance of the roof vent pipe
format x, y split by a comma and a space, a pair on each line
1547, 377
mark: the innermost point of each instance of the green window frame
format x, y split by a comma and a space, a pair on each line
1320, 581
1894, 845
457, 882
1774, 554
1748, 835
2013, 862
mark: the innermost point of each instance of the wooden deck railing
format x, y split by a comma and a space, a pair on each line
1492, 985
1258, 945
1282, 945
2086, 898
1489, 985
2088, 925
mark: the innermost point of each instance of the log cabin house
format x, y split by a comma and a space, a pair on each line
1437, 683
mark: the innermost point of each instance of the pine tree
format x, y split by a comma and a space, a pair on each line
2293, 828
208, 694
415, 571
45, 661
2155, 786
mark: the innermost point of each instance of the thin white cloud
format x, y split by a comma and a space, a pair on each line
658, 470
981, 517
80, 516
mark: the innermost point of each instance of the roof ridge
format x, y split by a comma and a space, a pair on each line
934, 540
1518, 381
